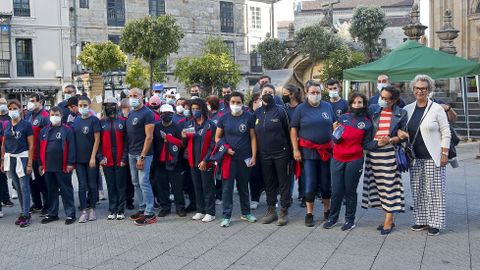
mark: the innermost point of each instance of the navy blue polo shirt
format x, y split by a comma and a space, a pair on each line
313, 124
54, 150
136, 122
236, 132
16, 137
340, 107
84, 130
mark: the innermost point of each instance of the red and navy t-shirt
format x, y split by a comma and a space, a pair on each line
85, 130
136, 122
340, 107
357, 132
16, 137
236, 132
313, 124
38, 120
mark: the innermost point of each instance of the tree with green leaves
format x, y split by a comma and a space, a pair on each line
316, 42
272, 51
152, 39
338, 60
102, 57
368, 23
212, 69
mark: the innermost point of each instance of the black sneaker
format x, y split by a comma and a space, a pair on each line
156, 205
70, 220
418, 228
309, 222
44, 213
380, 227
25, 221
130, 206
329, 224
145, 220
326, 215
48, 219
34, 209
8, 203
138, 215
181, 212
433, 231
190, 208
348, 226
163, 213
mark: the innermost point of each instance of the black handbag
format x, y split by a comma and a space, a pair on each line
454, 141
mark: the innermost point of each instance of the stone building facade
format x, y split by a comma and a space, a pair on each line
242, 24
397, 13
34, 48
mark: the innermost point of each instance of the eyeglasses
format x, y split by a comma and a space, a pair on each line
421, 89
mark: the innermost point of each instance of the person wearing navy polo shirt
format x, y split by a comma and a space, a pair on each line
39, 118
200, 143
57, 140
273, 135
310, 135
17, 158
87, 141
114, 158
68, 92
339, 105
140, 126
352, 131
236, 128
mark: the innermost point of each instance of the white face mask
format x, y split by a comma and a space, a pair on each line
30, 106
380, 86
382, 103
235, 108
315, 99
180, 109
3, 108
55, 120
333, 94
67, 96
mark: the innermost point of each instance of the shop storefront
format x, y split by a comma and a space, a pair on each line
22, 94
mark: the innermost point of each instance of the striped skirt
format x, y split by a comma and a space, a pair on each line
382, 182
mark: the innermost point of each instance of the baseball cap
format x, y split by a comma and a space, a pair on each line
157, 87
155, 100
166, 108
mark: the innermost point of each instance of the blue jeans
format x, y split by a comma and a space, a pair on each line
345, 177
241, 173
317, 173
22, 185
141, 183
87, 183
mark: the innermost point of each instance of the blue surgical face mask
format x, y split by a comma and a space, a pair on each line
84, 111
170, 101
382, 103
3, 108
197, 114
186, 113
15, 114
333, 94
134, 102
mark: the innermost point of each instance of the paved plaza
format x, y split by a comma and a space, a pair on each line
180, 243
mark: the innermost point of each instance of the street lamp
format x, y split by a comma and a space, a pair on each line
113, 80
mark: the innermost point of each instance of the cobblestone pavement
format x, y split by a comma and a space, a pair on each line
180, 243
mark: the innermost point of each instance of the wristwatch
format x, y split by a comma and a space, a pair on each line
142, 157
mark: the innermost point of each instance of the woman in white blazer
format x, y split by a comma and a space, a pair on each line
429, 134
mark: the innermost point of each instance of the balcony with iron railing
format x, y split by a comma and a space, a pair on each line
21, 12
4, 69
115, 17
24, 68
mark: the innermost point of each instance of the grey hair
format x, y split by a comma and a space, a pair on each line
137, 90
423, 78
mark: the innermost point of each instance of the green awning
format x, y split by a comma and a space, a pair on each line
411, 59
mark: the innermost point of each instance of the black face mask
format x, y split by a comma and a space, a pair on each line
227, 97
194, 94
156, 107
268, 99
111, 111
167, 117
286, 99
358, 111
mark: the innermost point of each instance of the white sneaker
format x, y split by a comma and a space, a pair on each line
112, 216
120, 216
92, 215
83, 217
253, 205
218, 202
14, 194
198, 216
1, 214
208, 218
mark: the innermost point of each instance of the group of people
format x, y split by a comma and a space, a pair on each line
156, 151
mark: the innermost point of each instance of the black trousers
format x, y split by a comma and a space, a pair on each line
165, 181
130, 189
38, 188
257, 185
60, 181
116, 179
4, 195
204, 184
276, 175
